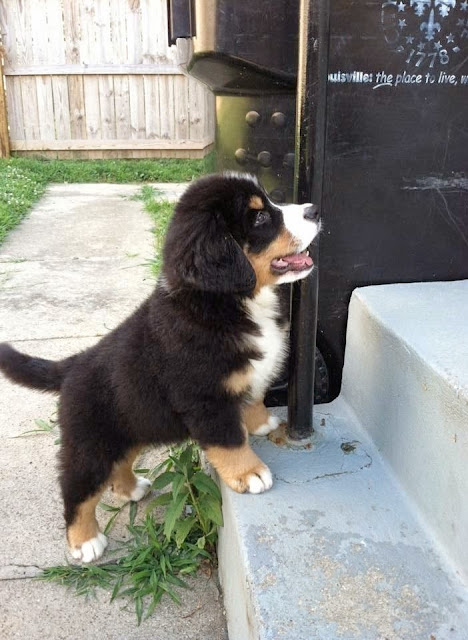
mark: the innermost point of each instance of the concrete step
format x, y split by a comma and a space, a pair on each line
342, 547
406, 379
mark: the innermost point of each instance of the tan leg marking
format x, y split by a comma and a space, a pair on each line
283, 245
240, 468
258, 420
84, 526
125, 484
239, 381
123, 479
254, 416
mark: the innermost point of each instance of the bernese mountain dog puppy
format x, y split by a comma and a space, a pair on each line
193, 361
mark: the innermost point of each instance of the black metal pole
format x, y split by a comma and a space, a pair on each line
310, 143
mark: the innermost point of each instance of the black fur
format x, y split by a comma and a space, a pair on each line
35, 373
157, 378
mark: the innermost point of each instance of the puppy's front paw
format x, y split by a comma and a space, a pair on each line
91, 549
256, 480
269, 426
141, 489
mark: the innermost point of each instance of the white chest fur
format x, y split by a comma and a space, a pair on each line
271, 344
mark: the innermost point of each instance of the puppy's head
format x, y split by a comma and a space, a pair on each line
226, 236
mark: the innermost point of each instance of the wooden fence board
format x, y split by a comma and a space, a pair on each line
107, 106
45, 107
15, 109
137, 107
152, 115
30, 110
122, 107
77, 107
101, 71
68, 145
93, 70
92, 106
61, 107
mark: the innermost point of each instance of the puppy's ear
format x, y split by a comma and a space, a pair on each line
208, 257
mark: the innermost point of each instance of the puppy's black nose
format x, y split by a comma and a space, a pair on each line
311, 213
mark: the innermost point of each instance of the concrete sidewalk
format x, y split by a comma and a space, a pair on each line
70, 272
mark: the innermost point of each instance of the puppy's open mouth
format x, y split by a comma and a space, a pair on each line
296, 262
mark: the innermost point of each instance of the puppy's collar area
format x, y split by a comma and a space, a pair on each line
294, 262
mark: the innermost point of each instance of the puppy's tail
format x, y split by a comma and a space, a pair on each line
36, 373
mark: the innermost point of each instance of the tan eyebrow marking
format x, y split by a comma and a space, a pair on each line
256, 202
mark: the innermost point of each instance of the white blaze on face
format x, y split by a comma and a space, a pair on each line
301, 228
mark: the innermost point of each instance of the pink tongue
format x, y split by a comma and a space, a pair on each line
298, 261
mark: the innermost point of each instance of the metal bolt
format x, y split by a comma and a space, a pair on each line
241, 156
264, 158
252, 118
278, 120
288, 160
278, 195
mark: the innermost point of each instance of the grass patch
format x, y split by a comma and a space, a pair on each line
160, 212
19, 190
23, 180
120, 171
161, 549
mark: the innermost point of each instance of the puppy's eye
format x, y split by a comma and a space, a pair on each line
261, 218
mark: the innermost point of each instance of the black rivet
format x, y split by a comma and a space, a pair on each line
288, 160
278, 120
252, 118
264, 158
278, 195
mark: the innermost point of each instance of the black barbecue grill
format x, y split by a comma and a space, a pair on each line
361, 107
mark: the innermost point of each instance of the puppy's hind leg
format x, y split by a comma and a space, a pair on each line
125, 484
83, 481
85, 540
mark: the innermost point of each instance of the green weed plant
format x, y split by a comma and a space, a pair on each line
177, 533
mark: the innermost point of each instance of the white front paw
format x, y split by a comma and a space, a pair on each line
268, 427
91, 549
139, 492
260, 481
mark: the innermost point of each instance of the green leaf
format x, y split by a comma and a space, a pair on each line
185, 458
177, 581
170, 591
132, 512
46, 426
173, 512
189, 569
162, 564
139, 609
109, 507
211, 508
154, 603
177, 484
161, 501
182, 529
110, 522
163, 480
201, 542
205, 484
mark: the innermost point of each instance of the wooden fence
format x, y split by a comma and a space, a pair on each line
96, 78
